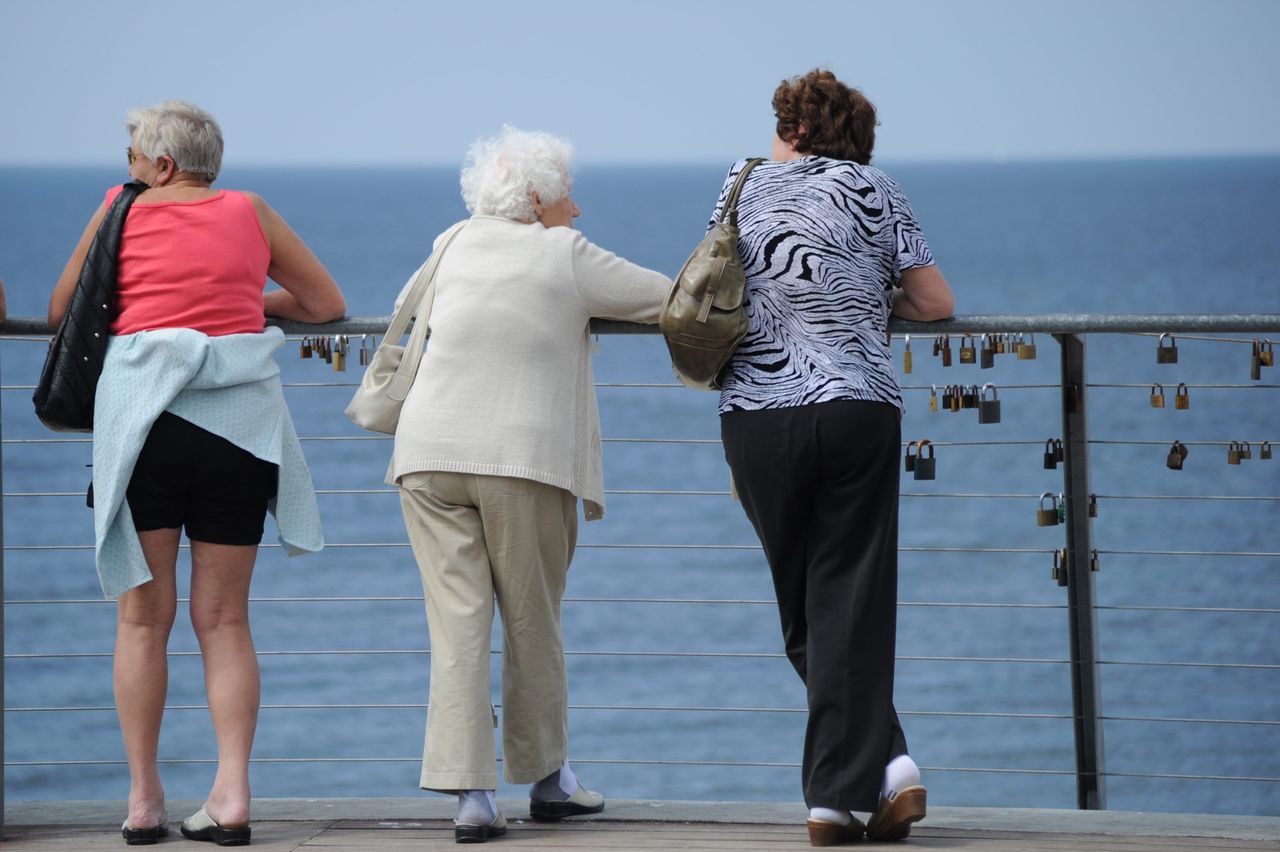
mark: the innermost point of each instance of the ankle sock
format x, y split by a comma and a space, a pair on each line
828, 815
556, 787
900, 774
477, 807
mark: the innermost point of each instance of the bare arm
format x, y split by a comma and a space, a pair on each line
66, 285
310, 294
924, 295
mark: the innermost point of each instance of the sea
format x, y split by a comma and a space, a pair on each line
678, 687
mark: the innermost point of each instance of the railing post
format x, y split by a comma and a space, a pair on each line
1083, 627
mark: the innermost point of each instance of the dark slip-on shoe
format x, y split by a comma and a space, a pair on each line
467, 833
145, 836
583, 801
200, 826
823, 833
892, 820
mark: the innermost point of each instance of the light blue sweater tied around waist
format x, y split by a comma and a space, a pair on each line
228, 385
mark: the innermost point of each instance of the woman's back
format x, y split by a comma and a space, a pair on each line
822, 243
198, 264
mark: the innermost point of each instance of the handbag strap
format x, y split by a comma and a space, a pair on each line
418, 302
730, 208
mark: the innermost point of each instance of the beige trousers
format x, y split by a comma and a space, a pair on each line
477, 539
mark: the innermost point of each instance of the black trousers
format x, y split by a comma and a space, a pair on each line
820, 485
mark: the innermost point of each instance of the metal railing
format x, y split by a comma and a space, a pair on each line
679, 422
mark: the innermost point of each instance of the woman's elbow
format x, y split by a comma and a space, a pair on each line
940, 306
334, 309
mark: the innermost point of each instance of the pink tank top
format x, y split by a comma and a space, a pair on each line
192, 264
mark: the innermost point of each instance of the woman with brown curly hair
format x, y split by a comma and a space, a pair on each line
810, 412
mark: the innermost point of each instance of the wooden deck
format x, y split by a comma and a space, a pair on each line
759, 827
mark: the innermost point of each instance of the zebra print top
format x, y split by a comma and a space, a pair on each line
823, 242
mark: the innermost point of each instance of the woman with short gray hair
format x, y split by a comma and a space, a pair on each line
173, 448
497, 440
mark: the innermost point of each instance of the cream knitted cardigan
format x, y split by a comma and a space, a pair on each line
505, 387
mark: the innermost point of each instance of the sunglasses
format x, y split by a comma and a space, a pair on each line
133, 158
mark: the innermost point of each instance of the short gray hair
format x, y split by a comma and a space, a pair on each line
500, 172
181, 131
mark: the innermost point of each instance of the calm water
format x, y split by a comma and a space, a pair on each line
1163, 237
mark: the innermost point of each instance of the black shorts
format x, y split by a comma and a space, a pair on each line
186, 476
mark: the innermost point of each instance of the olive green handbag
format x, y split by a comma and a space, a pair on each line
703, 318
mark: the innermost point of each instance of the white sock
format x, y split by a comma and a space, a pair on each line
477, 807
568, 781
828, 815
900, 774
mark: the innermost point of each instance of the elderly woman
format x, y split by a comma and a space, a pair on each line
809, 411
175, 445
498, 438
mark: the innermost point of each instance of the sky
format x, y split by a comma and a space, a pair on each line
392, 82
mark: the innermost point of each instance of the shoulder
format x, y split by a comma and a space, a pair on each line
251, 198
112, 193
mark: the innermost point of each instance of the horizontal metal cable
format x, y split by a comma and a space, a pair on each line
1171, 384
417, 599
1201, 337
383, 652
641, 708
1175, 777
1136, 443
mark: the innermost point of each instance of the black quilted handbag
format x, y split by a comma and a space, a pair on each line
64, 395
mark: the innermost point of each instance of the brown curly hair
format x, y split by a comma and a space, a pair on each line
817, 114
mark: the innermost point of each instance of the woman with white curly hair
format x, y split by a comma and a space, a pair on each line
498, 438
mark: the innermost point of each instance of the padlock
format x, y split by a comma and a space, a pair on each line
1264, 451
1093, 505
933, 397
1059, 568
326, 349
1266, 353
340, 349
1157, 395
1060, 450
1047, 517
1002, 344
946, 350
1062, 572
1246, 450
1177, 455
937, 345
909, 461
1166, 354
971, 397
1027, 348
1182, 397
1233, 453
366, 350
956, 397
926, 466
967, 352
1050, 456
304, 351
988, 409
1094, 564
906, 356
1255, 365
987, 354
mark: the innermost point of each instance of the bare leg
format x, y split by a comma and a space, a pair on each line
141, 672
220, 578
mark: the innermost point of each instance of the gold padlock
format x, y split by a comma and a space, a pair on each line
1047, 517
340, 348
957, 393
1093, 505
968, 354
304, 351
933, 397
1157, 395
1233, 453
1166, 354
1266, 353
1264, 451
1182, 397
906, 356
1246, 450
1027, 348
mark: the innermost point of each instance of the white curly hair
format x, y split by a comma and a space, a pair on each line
500, 172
